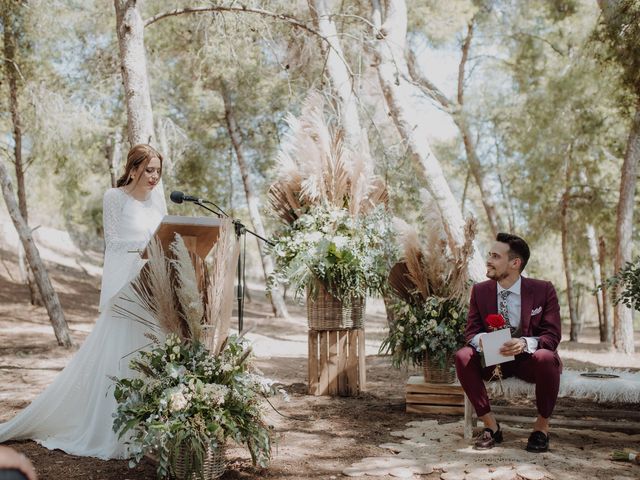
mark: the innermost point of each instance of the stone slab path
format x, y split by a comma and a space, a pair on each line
440, 451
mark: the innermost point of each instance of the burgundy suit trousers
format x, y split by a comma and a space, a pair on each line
542, 368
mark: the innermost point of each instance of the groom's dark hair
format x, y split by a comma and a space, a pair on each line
518, 248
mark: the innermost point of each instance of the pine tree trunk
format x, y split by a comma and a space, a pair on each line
113, 156
469, 146
277, 299
392, 73
623, 316
566, 259
606, 331
48, 294
456, 109
595, 270
133, 63
342, 80
12, 74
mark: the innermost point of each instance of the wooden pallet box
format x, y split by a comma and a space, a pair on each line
434, 398
336, 362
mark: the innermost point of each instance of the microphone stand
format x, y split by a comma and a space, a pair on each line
241, 231
240, 228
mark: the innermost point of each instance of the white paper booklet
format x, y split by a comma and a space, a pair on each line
492, 343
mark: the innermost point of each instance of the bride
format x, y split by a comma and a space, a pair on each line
75, 413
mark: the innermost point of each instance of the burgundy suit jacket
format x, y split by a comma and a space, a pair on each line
538, 297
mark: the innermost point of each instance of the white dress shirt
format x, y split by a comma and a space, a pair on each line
514, 307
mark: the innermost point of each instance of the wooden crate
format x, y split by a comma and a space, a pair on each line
434, 398
336, 362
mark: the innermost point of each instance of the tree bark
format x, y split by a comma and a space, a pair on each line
622, 315
48, 294
392, 73
606, 330
566, 256
133, 64
277, 299
113, 156
595, 270
13, 74
342, 80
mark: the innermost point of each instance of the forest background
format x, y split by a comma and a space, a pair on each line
524, 114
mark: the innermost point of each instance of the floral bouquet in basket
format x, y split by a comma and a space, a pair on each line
187, 401
196, 389
431, 287
434, 326
336, 229
348, 255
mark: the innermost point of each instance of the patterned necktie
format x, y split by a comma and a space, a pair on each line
503, 309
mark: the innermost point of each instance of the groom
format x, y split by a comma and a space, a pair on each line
530, 307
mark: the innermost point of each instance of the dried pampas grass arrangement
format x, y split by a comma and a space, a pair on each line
315, 167
187, 291
220, 289
431, 267
171, 298
152, 290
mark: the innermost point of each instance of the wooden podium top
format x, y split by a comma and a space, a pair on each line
199, 233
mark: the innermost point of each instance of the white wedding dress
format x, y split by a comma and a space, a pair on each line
75, 413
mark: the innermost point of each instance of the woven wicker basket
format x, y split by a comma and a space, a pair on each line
439, 372
326, 312
213, 466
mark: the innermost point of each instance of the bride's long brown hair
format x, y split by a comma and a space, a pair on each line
138, 156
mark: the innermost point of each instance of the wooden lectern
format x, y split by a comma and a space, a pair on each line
199, 234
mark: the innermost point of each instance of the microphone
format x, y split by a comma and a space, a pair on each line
179, 197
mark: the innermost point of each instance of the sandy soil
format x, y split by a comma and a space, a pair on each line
316, 437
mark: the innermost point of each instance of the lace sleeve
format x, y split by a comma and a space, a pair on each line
112, 206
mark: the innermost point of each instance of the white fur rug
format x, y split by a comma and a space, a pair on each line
624, 389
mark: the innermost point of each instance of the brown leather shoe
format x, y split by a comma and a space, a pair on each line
488, 439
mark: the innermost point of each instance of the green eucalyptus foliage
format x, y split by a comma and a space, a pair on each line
435, 326
351, 256
625, 285
186, 400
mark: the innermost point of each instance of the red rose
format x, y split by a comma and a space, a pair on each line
495, 321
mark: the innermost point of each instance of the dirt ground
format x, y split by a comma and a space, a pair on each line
316, 437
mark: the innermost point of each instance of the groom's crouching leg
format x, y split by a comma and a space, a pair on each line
469, 370
546, 366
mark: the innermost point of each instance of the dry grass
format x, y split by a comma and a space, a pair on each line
187, 291
169, 290
220, 289
315, 167
430, 266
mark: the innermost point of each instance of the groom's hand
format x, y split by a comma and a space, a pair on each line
515, 346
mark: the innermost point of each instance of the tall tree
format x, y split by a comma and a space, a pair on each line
622, 30
49, 295
12, 15
133, 64
393, 74
277, 299
341, 77
459, 115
